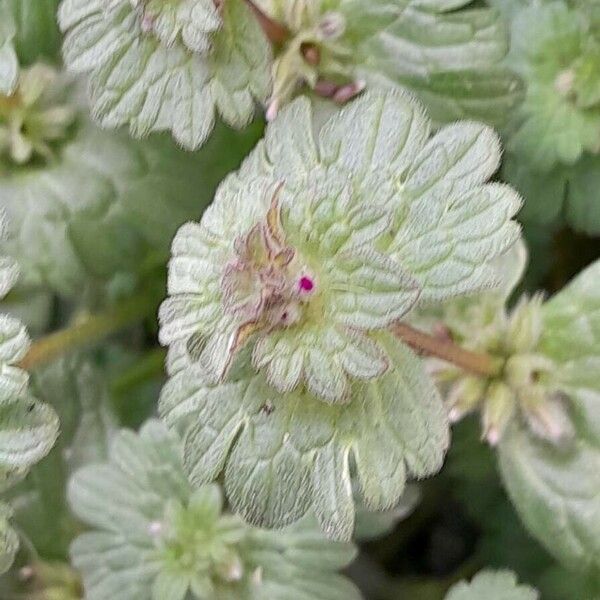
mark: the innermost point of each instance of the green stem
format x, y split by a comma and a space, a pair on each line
92, 329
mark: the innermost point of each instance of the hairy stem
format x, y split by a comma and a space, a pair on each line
277, 32
92, 329
479, 364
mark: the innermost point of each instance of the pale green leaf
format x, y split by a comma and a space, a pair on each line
192, 21
555, 131
9, 540
428, 39
28, 430
556, 490
455, 223
492, 585
553, 126
108, 205
9, 63
294, 450
489, 96
137, 80
379, 219
360, 137
9, 69
143, 480
289, 554
169, 586
447, 57
78, 392
138, 550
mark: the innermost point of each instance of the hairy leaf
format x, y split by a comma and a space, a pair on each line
137, 80
448, 57
78, 393
555, 490
138, 547
9, 64
372, 211
9, 540
498, 585
283, 454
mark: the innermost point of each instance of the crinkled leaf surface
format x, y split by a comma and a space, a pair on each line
557, 490
498, 585
137, 80
191, 21
109, 205
384, 215
285, 454
28, 429
9, 63
448, 55
119, 559
448, 223
9, 540
78, 392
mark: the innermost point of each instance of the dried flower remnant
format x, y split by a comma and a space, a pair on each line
307, 251
266, 285
315, 54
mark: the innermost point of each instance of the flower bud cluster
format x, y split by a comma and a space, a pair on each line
524, 384
316, 55
202, 543
35, 117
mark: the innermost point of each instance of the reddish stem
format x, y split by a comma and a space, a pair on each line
277, 32
479, 364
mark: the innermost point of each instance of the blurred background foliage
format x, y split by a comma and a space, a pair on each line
118, 221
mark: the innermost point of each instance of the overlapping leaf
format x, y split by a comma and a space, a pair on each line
378, 214
125, 497
9, 64
78, 392
108, 205
28, 428
499, 585
285, 454
448, 223
556, 490
448, 58
137, 80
